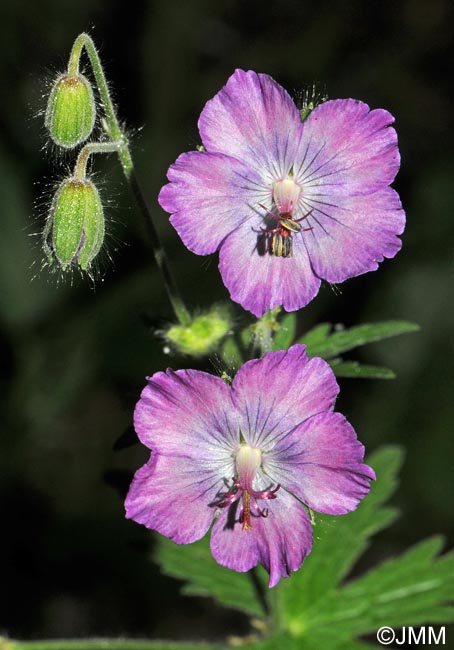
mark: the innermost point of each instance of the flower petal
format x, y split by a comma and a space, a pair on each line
352, 234
320, 462
346, 149
259, 281
280, 542
187, 413
172, 496
255, 120
209, 196
279, 391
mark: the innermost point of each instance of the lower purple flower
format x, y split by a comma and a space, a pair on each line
247, 456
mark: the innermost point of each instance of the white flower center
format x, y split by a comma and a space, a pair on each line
285, 195
247, 463
247, 460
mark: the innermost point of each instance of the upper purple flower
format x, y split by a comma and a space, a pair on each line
287, 202
247, 456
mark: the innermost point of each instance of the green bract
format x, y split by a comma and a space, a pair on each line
75, 230
70, 114
202, 335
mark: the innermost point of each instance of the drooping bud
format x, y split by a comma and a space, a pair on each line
75, 230
71, 112
202, 335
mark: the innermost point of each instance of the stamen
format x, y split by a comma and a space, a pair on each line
248, 461
246, 511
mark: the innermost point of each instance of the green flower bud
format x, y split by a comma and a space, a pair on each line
306, 110
75, 229
202, 335
70, 114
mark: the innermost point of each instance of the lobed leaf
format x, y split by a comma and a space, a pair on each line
316, 336
340, 541
317, 610
320, 343
204, 577
358, 370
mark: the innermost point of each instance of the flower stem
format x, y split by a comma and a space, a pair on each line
276, 608
112, 126
264, 330
119, 143
103, 644
175, 298
80, 168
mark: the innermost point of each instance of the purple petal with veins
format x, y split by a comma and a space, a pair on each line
247, 457
287, 203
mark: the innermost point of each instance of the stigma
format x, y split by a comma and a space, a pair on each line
248, 461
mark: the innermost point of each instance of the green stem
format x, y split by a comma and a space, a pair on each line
159, 254
120, 145
264, 331
114, 130
276, 608
103, 644
80, 168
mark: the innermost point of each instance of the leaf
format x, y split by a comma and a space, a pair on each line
339, 541
316, 336
280, 641
204, 577
414, 588
321, 344
231, 354
362, 371
411, 589
286, 333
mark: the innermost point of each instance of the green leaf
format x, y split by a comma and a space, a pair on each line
356, 369
204, 577
280, 641
322, 344
414, 588
339, 541
316, 336
317, 609
231, 353
286, 333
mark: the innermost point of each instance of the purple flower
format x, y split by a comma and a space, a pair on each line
286, 202
247, 456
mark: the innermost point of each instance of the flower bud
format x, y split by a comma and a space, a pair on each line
70, 114
75, 231
202, 335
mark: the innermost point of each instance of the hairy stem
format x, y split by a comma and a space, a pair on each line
80, 168
103, 644
119, 143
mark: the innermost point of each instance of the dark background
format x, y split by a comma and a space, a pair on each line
73, 358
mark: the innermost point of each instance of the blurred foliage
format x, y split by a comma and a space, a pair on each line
74, 356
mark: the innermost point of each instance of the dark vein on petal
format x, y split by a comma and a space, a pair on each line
304, 158
308, 166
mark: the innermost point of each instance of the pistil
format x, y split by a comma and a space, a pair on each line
247, 461
286, 194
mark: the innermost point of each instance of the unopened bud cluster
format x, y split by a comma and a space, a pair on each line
75, 226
